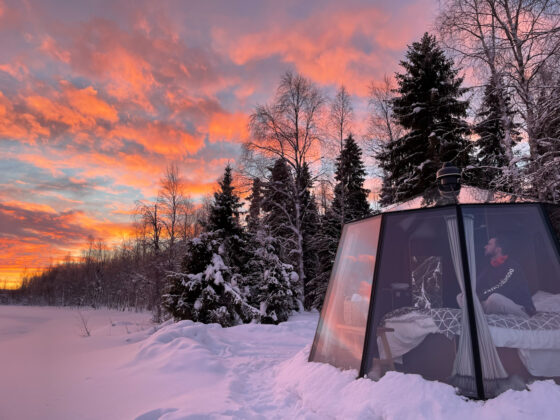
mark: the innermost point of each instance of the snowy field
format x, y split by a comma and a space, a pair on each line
131, 369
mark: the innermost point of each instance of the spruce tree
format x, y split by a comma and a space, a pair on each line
279, 217
490, 157
350, 196
350, 203
209, 287
269, 280
429, 109
224, 219
311, 227
207, 290
224, 211
278, 205
255, 205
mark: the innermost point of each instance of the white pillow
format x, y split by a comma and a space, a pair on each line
546, 302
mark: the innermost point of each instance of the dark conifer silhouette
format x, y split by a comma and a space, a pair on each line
429, 109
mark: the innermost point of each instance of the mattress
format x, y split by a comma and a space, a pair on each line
537, 338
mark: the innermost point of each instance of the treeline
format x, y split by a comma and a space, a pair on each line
306, 173
132, 274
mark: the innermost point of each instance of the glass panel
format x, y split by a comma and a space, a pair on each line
418, 325
516, 270
340, 335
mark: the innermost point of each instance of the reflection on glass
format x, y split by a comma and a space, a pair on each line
340, 335
515, 263
418, 325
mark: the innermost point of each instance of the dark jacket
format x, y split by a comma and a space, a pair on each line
515, 287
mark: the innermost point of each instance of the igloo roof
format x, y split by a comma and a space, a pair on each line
467, 195
427, 291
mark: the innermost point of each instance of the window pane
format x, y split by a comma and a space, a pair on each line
340, 335
418, 323
517, 273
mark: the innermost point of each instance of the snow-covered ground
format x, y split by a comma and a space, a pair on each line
128, 368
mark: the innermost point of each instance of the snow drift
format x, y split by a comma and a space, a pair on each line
130, 368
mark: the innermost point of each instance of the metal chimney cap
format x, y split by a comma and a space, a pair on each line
449, 180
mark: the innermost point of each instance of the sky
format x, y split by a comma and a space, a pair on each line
98, 97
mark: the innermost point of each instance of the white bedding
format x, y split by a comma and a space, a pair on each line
539, 350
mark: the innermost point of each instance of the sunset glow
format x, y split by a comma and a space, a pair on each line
96, 98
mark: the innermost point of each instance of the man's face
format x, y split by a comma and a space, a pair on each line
490, 247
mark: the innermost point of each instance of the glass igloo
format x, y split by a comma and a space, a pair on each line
427, 291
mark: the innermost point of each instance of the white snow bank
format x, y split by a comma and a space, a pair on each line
129, 369
331, 393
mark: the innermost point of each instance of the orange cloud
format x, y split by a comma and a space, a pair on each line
87, 103
38, 236
55, 112
350, 46
159, 137
321, 47
130, 77
18, 126
228, 127
19, 257
79, 109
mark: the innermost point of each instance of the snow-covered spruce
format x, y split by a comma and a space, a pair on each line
270, 282
207, 289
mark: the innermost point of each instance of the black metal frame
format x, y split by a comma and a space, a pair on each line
470, 304
369, 322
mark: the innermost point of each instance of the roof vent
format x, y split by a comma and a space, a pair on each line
449, 181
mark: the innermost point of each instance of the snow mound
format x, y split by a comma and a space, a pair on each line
183, 346
328, 392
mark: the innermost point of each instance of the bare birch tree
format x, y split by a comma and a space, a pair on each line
382, 128
381, 125
288, 128
514, 40
341, 115
149, 221
172, 202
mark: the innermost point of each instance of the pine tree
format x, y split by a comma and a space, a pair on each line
490, 152
428, 108
350, 175
288, 129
